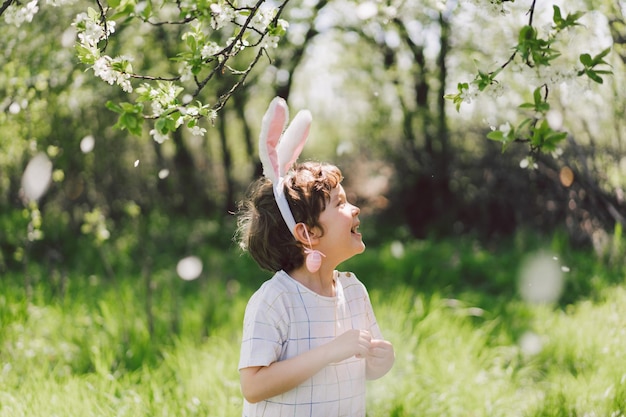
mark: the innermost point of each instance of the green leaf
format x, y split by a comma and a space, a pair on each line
586, 60
537, 96
527, 33
85, 55
496, 135
131, 117
114, 107
561, 23
557, 15
598, 58
552, 140
594, 76
161, 125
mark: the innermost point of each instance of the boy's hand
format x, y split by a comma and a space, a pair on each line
380, 358
351, 343
379, 352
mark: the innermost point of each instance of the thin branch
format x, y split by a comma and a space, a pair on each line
170, 22
6, 5
226, 52
531, 12
103, 19
221, 102
151, 78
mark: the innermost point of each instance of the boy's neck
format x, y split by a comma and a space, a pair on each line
321, 282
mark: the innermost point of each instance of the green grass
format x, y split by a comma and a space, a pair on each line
450, 308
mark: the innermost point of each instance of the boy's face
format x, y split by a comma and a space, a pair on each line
341, 239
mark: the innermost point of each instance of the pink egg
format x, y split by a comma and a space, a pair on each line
313, 261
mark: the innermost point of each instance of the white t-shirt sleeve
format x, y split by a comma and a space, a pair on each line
265, 330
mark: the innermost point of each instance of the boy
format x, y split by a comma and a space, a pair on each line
310, 337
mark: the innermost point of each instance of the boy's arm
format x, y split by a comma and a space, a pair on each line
259, 383
380, 358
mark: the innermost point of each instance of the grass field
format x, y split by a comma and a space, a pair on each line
467, 343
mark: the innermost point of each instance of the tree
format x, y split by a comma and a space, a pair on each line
215, 33
213, 58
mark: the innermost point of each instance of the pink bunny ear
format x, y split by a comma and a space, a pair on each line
272, 126
293, 141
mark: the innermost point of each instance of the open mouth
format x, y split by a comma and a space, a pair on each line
355, 229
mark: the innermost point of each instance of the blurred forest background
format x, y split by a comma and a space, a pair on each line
375, 87
94, 320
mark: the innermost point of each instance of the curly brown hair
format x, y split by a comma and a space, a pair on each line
261, 229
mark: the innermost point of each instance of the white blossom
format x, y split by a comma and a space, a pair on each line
505, 128
198, 131
192, 111
495, 90
470, 93
59, 3
102, 69
16, 15
263, 18
221, 16
157, 108
270, 41
158, 137
209, 50
239, 45
185, 72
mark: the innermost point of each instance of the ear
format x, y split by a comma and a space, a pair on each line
300, 232
272, 126
293, 140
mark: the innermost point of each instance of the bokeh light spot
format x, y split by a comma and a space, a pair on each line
87, 144
37, 177
189, 268
164, 173
540, 279
566, 175
530, 344
397, 249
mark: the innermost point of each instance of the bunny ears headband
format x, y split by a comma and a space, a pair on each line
278, 152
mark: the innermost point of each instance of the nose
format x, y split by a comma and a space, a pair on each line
355, 210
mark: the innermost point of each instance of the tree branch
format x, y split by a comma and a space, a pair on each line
6, 5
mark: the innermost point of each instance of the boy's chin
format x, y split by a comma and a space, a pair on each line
362, 248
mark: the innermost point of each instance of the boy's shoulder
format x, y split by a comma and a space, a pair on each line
279, 282
350, 282
347, 276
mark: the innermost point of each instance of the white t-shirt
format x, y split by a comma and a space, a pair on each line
284, 319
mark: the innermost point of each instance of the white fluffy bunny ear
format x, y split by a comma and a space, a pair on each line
293, 141
278, 155
272, 126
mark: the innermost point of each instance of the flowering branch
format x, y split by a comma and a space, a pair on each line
6, 5
536, 53
176, 100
